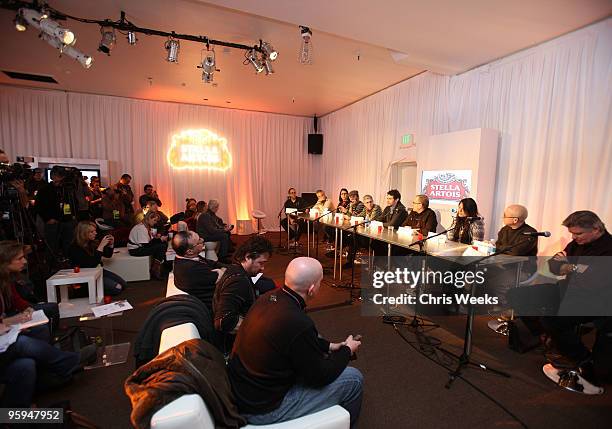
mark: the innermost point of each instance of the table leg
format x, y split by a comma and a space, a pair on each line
51, 293
91, 286
100, 287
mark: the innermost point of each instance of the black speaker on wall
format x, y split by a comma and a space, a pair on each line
315, 144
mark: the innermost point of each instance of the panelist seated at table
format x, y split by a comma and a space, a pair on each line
343, 198
372, 212
355, 207
421, 217
395, 213
291, 222
322, 206
468, 225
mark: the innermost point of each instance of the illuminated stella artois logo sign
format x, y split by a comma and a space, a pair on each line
199, 149
447, 186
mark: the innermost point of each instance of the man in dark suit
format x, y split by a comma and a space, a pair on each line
192, 274
212, 228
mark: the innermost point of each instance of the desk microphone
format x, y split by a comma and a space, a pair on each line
538, 234
473, 218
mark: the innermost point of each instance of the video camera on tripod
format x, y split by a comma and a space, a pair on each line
9, 173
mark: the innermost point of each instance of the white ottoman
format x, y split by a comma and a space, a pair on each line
130, 268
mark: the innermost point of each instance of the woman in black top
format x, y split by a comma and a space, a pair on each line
466, 228
87, 252
343, 198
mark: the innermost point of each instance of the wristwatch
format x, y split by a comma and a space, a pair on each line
574, 268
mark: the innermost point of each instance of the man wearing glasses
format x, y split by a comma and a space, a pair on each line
192, 274
514, 231
421, 217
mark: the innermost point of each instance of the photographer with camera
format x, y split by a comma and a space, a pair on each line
56, 205
125, 194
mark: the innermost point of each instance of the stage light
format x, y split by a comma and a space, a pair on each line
268, 51
131, 38
20, 23
109, 38
172, 46
251, 57
268, 66
85, 60
43, 23
305, 56
208, 66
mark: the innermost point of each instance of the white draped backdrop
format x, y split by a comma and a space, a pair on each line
551, 103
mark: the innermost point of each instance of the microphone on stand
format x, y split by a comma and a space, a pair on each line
473, 218
538, 234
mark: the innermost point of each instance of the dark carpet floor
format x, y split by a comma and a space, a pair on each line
404, 380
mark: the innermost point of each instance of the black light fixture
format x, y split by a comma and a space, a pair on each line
109, 38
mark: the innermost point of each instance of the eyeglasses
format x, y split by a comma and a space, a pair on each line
510, 217
417, 203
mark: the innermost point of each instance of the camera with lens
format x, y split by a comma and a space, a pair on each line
10, 173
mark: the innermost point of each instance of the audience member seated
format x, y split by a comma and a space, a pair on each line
421, 216
144, 240
236, 293
151, 206
290, 221
126, 195
192, 222
212, 228
190, 207
149, 194
32, 352
193, 274
468, 225
583, 296
87, 252
294, 371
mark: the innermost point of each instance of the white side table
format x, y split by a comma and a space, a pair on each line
91, 276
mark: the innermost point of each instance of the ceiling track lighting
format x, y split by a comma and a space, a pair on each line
305, 54
85, 60
268, 51
109, 38
172, 47
20, 23
251, 57
42, 22
131, 38
208, 66
268, 66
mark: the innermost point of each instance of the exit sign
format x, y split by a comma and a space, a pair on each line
407, 141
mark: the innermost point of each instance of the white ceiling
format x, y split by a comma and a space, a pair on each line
353, 41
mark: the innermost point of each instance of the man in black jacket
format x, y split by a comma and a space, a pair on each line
421, 217
280, 368
395, 213
192, 274
236, 293
212, 228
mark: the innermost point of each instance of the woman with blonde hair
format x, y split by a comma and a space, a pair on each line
86, 252
146, 241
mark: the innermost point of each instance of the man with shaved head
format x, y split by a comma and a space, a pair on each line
280, 368
514, 231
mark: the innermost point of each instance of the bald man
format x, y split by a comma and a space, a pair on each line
513, 233
280, 368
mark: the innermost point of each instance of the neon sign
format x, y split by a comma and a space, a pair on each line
199, 149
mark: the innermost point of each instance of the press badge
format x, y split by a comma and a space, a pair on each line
115, 214
66, 208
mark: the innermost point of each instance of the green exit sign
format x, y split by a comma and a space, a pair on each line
408, 140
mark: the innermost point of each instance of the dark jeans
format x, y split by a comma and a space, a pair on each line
346, 391
296, 229
567, 337
111, 280
223, 238
19, 364
155, 248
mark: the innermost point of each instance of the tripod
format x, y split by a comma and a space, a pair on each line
351, 286
464, 359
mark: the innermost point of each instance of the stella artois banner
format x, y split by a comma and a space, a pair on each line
447, 187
